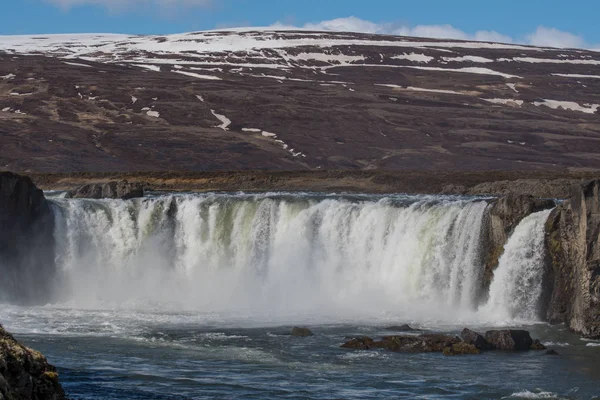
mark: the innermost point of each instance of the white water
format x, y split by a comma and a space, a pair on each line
283, 256
517, 285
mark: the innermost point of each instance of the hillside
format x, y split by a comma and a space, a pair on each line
294, 100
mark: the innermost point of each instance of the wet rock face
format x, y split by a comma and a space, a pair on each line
572, 285
111, 190
511, 340
474, 338
26, 240
504, 216
25, 373
301, 332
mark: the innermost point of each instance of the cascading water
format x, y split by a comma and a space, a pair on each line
281, 255
517, 285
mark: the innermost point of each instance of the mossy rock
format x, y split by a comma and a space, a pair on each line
461, 348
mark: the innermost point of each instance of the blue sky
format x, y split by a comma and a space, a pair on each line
514, 20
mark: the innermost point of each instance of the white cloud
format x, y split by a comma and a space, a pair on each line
553, 37
118, 5
542, 36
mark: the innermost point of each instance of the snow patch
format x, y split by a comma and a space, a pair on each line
508, 102
473, 59
467, 70
268, 134
78, 64
133, 99
578, 76
200, 98
154, 68
199, 76
6, 109
154, 114
7, 77
416, 89
568, 105
251, 130
225, 122
513, 86
414, 57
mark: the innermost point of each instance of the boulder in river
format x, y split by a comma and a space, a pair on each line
301, 332
510, 340
461, 348
25, 373
400, 328
537, 345
110, 190
474, 338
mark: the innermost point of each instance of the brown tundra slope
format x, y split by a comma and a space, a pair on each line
294, 100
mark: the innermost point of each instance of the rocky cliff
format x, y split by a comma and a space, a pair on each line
504, 215
573, 243
26, 240
25, 373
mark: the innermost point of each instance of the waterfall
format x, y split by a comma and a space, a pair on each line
281, 254
517, 285
276, 252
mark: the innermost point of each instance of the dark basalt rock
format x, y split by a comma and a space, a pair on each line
301, 332
462, 348
572, 282
504, 216
475, 339
400, 328
511, 340
26, 241
427, 343
551, 353
363, 343
111, 190
537, 345
25, 373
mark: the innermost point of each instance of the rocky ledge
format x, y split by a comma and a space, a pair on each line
25, 373
111, 190
469, 342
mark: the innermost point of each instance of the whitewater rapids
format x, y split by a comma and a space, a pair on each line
281, 257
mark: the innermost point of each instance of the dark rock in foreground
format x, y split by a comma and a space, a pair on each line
301, 332
511, 340
26, 241
25, 373
551, 353
111, 190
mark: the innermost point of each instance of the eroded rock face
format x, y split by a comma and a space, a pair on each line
26, 241
110, 190
504, 216
573, 244
25, 373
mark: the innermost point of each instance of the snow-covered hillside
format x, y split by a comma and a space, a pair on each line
310, 99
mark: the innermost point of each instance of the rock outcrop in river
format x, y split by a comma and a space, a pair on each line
573, 244
26, 240
25, 373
